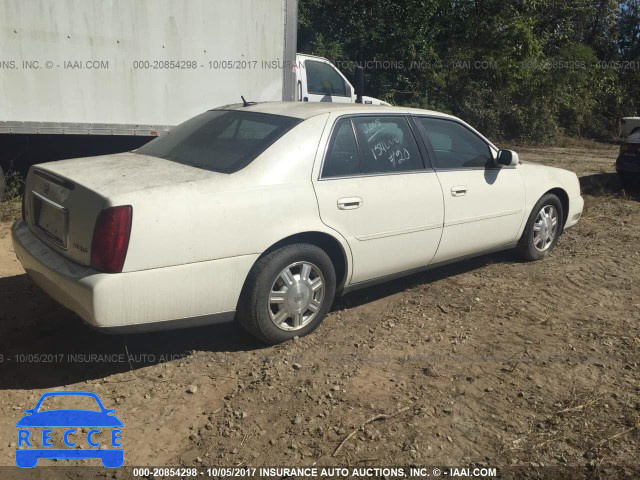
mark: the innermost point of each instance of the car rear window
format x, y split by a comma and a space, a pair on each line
222, 141
634, 137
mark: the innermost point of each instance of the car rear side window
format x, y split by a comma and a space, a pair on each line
342, 156
222, 141
454, 145
387, 145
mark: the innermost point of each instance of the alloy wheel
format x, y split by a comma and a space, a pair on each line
296, 296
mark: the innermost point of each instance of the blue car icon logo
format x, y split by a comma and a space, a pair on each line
31, 447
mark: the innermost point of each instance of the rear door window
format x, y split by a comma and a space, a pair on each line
387, 145
222, 141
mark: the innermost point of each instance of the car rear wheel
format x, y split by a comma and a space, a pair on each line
287, 294
543, 229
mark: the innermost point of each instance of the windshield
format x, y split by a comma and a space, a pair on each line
223, 141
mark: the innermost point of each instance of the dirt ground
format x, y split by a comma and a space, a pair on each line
491, 362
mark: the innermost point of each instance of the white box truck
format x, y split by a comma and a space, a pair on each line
78, 71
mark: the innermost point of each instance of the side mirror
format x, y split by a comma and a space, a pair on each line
508, 158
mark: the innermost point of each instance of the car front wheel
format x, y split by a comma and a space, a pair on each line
543, 229
287, 294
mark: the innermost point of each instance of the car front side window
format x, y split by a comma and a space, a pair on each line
454, 145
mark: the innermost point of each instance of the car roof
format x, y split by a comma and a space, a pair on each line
305, 110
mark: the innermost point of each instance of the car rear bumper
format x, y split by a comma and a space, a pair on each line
171, 297
576, 206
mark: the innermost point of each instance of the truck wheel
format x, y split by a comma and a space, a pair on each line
543, 229
287, 293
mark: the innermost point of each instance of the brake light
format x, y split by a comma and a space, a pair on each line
629, 147
111, 239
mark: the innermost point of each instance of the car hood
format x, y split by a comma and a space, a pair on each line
69, 418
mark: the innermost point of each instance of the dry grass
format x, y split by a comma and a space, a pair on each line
10, 210
11, 204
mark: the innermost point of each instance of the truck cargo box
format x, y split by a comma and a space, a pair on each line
135, 67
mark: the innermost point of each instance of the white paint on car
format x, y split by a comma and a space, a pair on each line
195, 234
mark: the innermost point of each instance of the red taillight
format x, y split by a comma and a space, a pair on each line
629, 147
111, 239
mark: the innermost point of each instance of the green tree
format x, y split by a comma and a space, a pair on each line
527, 69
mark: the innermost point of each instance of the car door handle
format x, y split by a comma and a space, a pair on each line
459, 191
349, 203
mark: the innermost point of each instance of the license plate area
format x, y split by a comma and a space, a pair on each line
51, 219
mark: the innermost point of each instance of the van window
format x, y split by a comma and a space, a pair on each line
323, 79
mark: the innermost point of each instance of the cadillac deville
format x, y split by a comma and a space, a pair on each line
262, 213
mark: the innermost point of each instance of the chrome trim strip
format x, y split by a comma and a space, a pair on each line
483, 217
367, 175
403, 231
50, 202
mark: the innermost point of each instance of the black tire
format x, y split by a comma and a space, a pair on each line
526, 247
629, 181
253, 311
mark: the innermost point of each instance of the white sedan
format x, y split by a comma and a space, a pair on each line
263, 213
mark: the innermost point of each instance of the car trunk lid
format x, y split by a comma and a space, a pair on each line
64, 199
